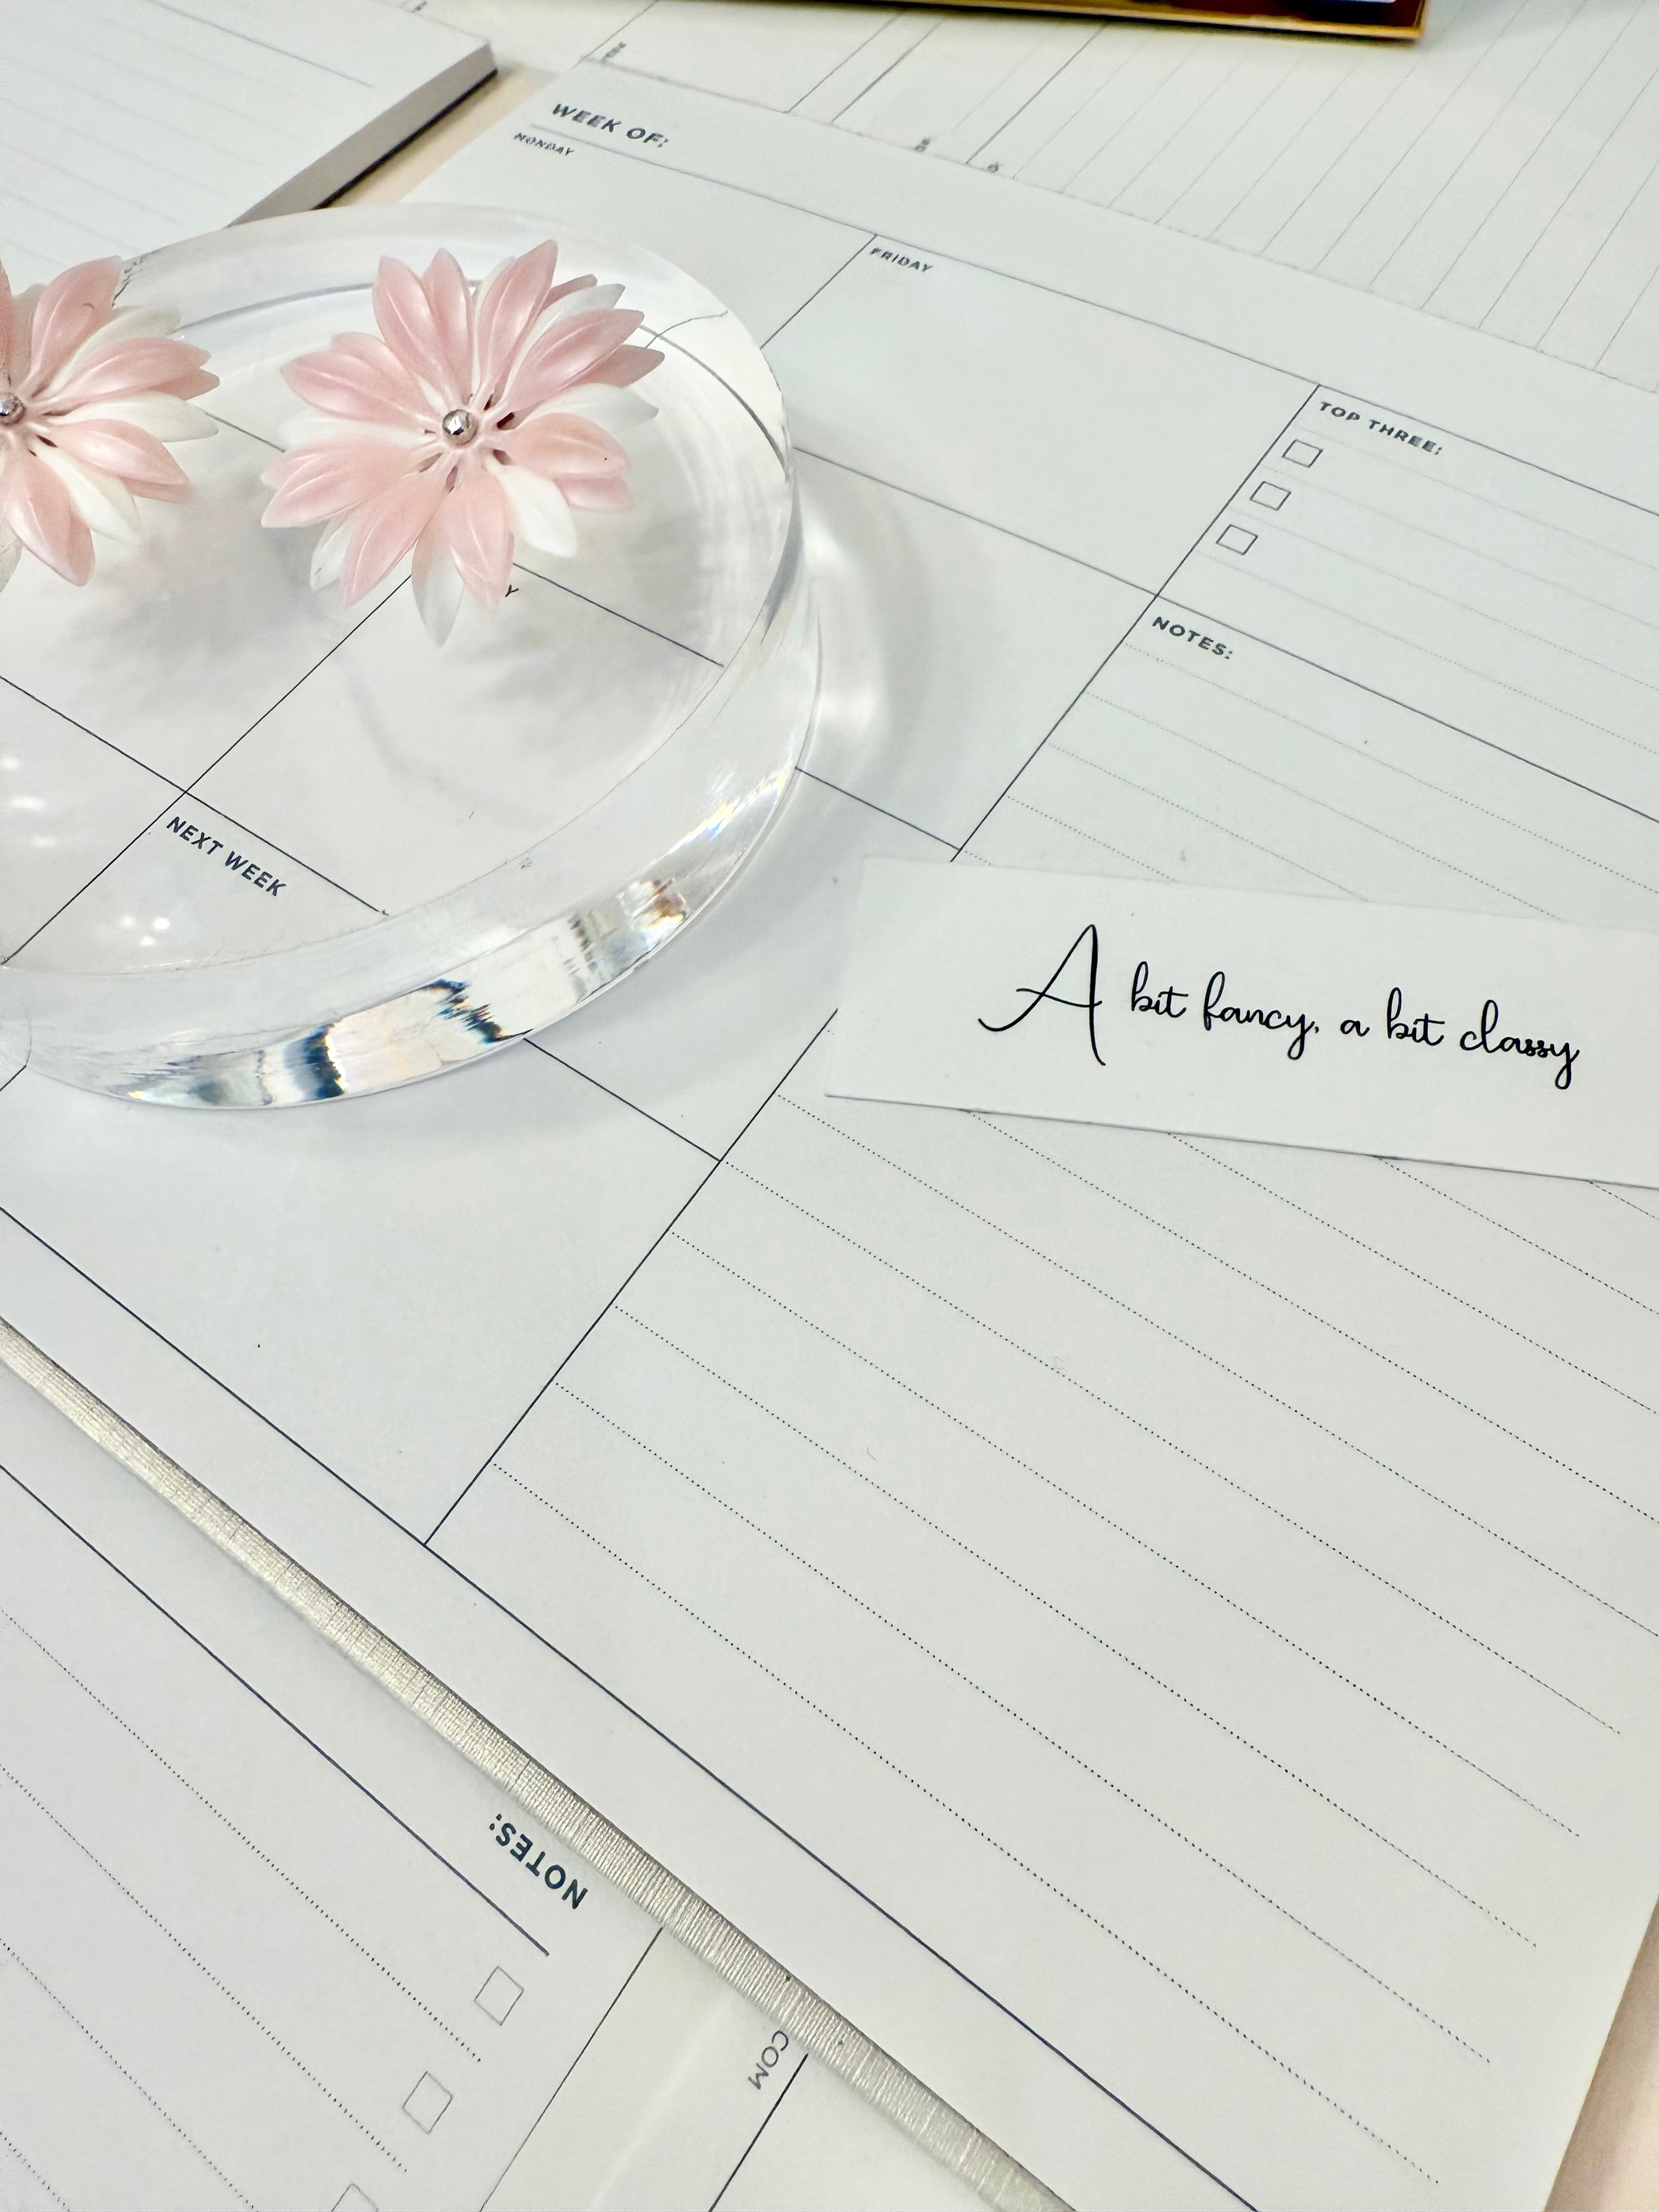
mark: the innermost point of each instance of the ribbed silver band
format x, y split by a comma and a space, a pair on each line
937, 2126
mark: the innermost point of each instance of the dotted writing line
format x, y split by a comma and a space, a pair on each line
928, 1652
45, 1990
1376, 1833
1531, 1243
991, 1443
282, 1874
34, 2174
1532, 1343
1457, 1511
185, 1951
1030, 1872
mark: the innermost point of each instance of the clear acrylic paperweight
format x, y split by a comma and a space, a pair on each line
258, 848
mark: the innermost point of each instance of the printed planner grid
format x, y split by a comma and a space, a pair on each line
782, 1336
232, 1963
989, 1506
267, 1941
1499, 173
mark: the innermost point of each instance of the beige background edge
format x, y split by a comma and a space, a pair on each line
1612, 2163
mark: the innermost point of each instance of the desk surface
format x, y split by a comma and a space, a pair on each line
1612, 2163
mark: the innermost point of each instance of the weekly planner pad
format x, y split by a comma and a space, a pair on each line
1161, 1631
268, 1938
1499, 173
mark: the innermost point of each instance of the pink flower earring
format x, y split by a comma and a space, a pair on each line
480, 416
90, 398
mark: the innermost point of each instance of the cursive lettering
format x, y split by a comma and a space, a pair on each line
1142, 1001
1417, 1031
1217, 1010
1487, 1039
1091, 937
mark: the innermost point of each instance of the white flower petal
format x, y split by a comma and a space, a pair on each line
586, 303
613, 407
328, 556
11, 552
439, 591
125, 323
23, 305
311, 430
171, 420
103, 503
540, 516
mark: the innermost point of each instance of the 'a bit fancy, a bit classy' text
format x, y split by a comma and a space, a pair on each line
1227, 1013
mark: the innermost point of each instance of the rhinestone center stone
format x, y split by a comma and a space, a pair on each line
11, 409
460, 428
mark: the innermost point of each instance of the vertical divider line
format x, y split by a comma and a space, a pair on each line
1152, 598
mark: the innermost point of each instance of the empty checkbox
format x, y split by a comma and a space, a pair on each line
1236, 540
1302, 453
427, 2102
498, 1996
1269, 494
354, 2201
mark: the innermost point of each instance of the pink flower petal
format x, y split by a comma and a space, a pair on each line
507, 311
69, 310
451, 315
122, 449
478, 532
598, 494
37, 505
563, 445
316, 482
118, 329
134, 365
626, 365
363, 345
385, 530
407, 323
377, 357
341, 382
6, 317
190, 385
567, 355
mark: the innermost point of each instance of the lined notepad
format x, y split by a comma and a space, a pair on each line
127, 124
266, 1940
1500, 174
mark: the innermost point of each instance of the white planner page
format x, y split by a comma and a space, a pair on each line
127, 124
267, 1941
1499, 173
1163, 1634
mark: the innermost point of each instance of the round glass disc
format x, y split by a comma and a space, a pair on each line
258, 847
